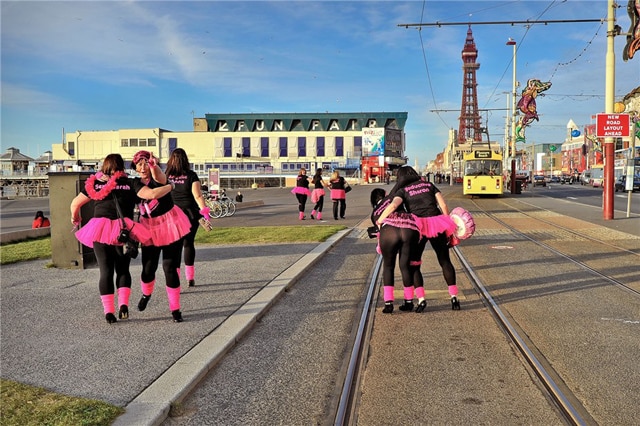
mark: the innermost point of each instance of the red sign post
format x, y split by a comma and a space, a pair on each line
612, 125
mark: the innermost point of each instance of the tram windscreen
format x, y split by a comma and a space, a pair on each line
483, 168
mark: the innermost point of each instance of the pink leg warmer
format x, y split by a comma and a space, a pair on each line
420, 292
453, 290
408, 293
190, 272
123, 296
107, 303
147, 288
319, 216
173, 294
301, 215
388, 293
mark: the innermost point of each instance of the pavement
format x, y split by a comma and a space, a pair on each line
54, 335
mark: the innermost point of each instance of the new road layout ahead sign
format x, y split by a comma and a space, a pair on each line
612, 125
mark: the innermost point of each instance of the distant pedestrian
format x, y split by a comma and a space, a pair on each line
187, 194
301, 191
317, 195
40, 221
339, 188
239, 197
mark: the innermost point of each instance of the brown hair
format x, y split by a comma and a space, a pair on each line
178, 163
112, 163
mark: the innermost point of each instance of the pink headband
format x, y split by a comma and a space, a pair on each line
140, 155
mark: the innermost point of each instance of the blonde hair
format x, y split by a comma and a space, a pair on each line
335, 175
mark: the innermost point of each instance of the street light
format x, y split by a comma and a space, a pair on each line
512, 138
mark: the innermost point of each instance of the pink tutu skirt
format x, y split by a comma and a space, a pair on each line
432, 226
168, 228
316, 194
338, 194
401, 220
301, 190
106, 231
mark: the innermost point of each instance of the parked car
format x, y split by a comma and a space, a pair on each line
538, 180
585, 177
621, 183
554, 179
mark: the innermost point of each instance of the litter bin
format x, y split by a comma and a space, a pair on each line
518, 186
66, 250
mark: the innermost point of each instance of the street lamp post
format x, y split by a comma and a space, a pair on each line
512, 138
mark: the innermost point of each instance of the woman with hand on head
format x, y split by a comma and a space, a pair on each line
317, 195
109, 186
167, 225
187, 194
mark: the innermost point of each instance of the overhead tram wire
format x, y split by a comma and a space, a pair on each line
526, 22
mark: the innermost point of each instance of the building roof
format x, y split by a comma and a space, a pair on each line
13, 154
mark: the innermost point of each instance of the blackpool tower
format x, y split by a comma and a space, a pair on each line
470, 122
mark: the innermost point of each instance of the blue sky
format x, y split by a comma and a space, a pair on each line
106, 65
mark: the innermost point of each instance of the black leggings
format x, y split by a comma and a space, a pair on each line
171, 255
302, 201
110, 260
188, 244
439, 244
343, 208
319, 204
393, 242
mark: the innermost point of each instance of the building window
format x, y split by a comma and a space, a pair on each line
246, 147
71, 147
133, 142
357, 146
339, 146
227, 147
142, 142
124, 142
320, 146
302, 146
264, 147
284, 152
151, 142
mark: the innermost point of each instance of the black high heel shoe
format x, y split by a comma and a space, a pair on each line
421, 306
455, 303
111, 319
407, 306
177, 316
142, 304
123, 313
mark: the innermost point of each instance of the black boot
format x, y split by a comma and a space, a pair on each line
421, 306
142, 304
407, 306
192, 283
388, 308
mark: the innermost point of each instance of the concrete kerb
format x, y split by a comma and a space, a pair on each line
152, 406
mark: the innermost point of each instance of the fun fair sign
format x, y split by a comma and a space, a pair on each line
612, 125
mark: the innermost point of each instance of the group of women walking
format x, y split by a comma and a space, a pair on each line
170, 205
337, 185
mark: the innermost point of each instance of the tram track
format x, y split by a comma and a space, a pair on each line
570, 405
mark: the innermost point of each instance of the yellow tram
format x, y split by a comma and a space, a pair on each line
482, 173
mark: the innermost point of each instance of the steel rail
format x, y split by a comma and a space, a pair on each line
346, 406
569, 406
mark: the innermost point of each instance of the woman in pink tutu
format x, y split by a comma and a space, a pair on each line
317, 195
431, 214
301, 191
167, 225
101, 232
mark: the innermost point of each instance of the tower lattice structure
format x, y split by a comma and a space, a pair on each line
470, 128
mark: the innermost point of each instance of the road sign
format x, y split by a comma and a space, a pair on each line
612, 125
552, 148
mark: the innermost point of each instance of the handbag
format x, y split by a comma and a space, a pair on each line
129, 245
347, 187
206, 224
